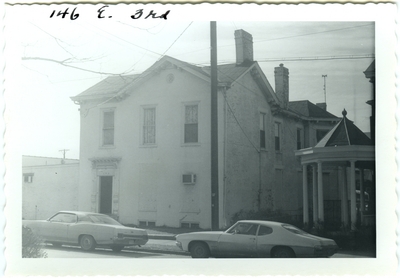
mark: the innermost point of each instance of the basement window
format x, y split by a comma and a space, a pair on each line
190, 225
151, 224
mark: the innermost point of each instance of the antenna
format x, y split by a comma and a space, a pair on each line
324, 76
63, 151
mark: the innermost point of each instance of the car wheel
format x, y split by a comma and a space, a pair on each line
199, 250
117, 248
283, 252
87, 243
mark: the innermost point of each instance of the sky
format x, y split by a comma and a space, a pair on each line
50, 59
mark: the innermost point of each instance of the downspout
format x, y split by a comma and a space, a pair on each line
260, 183
225, 158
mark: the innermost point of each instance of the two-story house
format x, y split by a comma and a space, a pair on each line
146, 142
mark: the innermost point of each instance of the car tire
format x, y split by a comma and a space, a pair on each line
87, 242
283, 252
199, 250
117, 248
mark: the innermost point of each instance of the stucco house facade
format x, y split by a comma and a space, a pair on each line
146, 144
48, 185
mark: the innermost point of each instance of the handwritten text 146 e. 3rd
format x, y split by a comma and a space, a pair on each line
101, 13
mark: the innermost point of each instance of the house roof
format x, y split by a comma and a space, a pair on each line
111, 85
308, 109
114, 85
345, 133
230, 72
370, 71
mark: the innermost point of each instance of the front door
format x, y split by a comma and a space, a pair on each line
106, 183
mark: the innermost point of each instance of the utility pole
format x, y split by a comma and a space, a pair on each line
324, 77
63, 151
214, 129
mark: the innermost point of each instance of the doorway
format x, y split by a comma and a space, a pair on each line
106, 183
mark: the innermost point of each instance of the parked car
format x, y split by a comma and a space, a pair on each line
249, 238
86, 229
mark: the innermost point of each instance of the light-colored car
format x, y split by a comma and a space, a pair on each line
86, 229
263, 239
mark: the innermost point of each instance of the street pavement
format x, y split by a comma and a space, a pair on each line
160, 245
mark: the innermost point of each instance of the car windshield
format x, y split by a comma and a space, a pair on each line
294, 229
103, 219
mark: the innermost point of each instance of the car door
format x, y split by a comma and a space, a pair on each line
265, 241
58, 227
241, 241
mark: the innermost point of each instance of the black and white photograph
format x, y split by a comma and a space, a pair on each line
201, 139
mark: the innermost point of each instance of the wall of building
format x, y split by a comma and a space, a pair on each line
39, 160
249, 172
148, 179
52, 188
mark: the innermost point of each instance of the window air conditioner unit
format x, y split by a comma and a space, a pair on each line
189, 179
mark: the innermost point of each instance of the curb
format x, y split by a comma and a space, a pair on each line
158, 251
162, 237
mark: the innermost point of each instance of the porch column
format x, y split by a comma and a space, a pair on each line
315, 195
362, 196
320, 193
345, 198
305, 196
353, 206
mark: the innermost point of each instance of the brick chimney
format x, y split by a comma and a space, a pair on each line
321, 105
282, 84
244, 47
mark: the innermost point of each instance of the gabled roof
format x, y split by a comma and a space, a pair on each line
345, 133
109, 86
308, 109
116, 86
230, 72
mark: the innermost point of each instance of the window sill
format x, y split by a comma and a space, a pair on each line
108, 147
190, 145
149, 146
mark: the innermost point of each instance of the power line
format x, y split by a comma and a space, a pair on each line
177, 38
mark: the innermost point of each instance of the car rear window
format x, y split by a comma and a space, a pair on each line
264, 230
103, 219
294, 229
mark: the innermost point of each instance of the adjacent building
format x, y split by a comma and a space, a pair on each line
146, 143
48, 185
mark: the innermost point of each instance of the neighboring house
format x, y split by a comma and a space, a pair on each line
146, 144
48, 185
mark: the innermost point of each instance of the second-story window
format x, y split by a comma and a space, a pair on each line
262, 130
299, 139
149, 125
277, 132
108, 128
191, 128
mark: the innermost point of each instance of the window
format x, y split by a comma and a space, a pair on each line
277, 127
299, 138
243, 229
149, 126
108, 128
262, 130
28, 177
264, 230
64, 218
191, 132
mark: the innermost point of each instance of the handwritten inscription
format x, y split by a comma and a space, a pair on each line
102, 13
